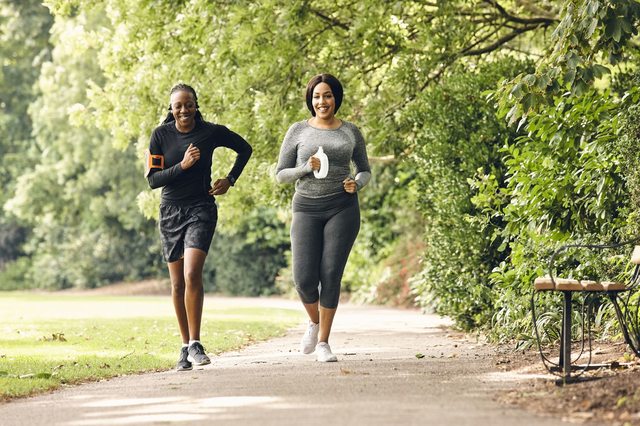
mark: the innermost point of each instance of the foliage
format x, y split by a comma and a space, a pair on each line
391, 281
388, 225
382, 51
563, 183
627, 147
12, 277
77, 194
455, 132
429, 84
24, 47
246, 260
590, 35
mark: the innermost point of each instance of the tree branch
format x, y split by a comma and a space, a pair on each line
524, 21
533, 7
333, 21
495, 45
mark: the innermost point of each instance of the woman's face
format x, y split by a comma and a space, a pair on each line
183, 108
324, 104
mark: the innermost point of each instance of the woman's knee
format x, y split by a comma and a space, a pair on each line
193, 277
308, 296
308, 291
330, 297
177, 285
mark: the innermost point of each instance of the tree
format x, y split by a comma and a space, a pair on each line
250, 61
414, 73
24, 45
571, 176
78, 192
592, 36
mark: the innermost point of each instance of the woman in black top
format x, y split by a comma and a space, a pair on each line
179, 160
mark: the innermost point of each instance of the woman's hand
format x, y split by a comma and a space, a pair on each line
191, 155
220, 186
314, 162
350, 185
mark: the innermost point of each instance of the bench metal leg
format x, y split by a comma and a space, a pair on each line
565, 338
624, 325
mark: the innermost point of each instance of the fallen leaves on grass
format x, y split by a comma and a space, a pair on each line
59, 337
129, 354
35, 376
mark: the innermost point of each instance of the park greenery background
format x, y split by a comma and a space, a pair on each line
497, 130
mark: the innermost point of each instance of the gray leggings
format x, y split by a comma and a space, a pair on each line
323, 231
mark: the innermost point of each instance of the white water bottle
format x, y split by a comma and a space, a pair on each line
324, 164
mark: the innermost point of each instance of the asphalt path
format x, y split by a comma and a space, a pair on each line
395, 367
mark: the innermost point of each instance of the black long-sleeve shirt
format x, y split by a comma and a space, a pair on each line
167, 148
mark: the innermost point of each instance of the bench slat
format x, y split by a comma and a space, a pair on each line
543, 283
613, 286
565, 284
588, 285
635, 256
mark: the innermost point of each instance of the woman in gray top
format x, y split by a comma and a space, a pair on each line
326, 215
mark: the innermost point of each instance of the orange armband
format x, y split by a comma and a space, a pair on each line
153, 162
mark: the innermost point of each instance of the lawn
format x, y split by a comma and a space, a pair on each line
48, 340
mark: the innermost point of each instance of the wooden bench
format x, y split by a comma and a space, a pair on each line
626, 314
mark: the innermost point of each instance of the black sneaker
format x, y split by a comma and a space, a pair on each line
183, 363
197, 355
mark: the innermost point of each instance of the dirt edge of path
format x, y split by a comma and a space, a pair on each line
602, 396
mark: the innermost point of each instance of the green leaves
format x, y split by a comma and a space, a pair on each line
613, 29
77, 192
491, 200
590, 34
563, 182
457, 135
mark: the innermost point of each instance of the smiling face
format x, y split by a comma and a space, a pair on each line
183, 108
323, 101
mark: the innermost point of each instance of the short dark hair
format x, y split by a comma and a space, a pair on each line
333, 82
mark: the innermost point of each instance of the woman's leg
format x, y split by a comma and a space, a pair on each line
306, 251
194, 294
312, 311
176, 275
326, 321
340, 233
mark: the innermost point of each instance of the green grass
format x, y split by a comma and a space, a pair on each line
50, 340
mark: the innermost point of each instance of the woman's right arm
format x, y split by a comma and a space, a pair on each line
156, 173
286, 170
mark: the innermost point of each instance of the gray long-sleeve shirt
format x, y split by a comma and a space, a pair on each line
342, 146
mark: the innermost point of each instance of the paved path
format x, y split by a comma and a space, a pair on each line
377, 381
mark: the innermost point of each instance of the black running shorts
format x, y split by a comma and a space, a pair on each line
183, 227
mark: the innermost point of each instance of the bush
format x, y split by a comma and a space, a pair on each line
12, 277
455, 133
246, 261
563, 183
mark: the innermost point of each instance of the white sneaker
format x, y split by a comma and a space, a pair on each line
310, 338
324, 354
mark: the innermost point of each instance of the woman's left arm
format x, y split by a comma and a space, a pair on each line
361, 161
235, 142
